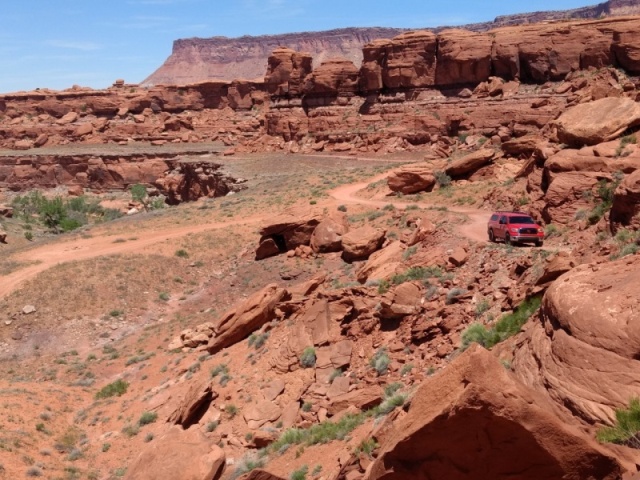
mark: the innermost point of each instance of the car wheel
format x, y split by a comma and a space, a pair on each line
539, 243
492, 237
507, 239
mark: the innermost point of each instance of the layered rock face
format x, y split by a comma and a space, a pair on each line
220, 58
584, 352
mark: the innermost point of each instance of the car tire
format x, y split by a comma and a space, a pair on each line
507, 239
539, 243
492, 237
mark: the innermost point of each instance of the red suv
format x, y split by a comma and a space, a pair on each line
514, 227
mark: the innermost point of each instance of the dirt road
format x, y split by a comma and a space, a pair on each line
46, 256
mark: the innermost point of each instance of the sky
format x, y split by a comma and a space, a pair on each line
59, 43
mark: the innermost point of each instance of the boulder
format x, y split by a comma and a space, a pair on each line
555, 267
273, 390
523, 146
458, 257
327, 236
475, 420
364, 399
287, 232
382, 264
469, 163
252, 314
360, 243
565, 195
412, 179
584, 352
405, 299
599, 121
194, 404
260, 413
184, 454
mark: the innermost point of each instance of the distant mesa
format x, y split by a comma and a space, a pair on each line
196, 60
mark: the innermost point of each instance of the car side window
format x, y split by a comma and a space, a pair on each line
503, 220
494, 218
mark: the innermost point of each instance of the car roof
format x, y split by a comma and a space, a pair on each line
521, 214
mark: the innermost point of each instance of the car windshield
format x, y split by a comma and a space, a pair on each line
522, 220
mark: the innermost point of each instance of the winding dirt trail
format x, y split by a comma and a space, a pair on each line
475, 229
46, 256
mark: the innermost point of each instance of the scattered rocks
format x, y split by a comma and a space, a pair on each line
360, 243
28, 310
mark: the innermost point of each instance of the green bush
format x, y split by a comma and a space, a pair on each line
506, 327
442, 179
138, 193
626, 427
308, 358
147, 417
117, 388
380, 362
300, 474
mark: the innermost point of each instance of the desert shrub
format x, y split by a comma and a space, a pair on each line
551, 231
342, 208
147, 417
148, 437
219, 369
211, 426
164, 296
605, 193
335, 374
182, 253
406, 369
442, 179
380, 362
257, 340
506, 327
390, 404
306, 407
453, 294
299, 474
482, 306
117, 388
231, 410
626, 429
131, 430
34, 472
367, 447
308, 358
416, 274
248, 463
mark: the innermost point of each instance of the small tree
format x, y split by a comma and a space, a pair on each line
139, 193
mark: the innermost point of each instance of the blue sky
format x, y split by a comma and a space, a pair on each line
59, 43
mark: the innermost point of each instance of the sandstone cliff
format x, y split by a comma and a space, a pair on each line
221, 58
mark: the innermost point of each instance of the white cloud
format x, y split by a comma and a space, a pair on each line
74, 45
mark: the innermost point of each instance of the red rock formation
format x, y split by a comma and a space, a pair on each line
219, 58
286, 72
407, 61
333, 78
477, 421
584, 351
